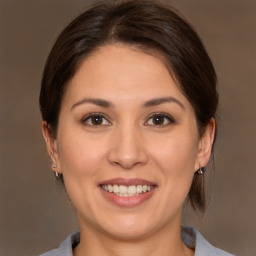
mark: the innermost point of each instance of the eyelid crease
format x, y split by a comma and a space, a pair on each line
162, 114
95, 114
169, 117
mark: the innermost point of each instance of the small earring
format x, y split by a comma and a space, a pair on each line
56, 174
201, 170
54, 166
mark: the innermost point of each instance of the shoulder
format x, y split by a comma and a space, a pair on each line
193, 239
50, 253
66, 247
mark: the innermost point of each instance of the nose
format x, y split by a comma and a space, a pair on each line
127, 148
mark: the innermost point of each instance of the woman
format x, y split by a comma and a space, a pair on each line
128, 100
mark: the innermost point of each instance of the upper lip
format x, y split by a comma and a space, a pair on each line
127, 182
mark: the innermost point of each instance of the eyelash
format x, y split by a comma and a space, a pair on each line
89, 117
167, 119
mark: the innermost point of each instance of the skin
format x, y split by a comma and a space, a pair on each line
128, 144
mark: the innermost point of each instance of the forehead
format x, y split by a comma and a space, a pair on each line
122, 68
122, 75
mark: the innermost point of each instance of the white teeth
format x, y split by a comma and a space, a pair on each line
126, 191
115, 189
110, 188
132, 189
122, 189
139, 189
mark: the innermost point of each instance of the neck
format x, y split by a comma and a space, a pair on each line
166, 242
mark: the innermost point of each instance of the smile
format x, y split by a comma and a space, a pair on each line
127, 191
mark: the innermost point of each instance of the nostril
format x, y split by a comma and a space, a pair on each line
127, 149
127, 161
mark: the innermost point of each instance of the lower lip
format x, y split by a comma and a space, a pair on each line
129, 201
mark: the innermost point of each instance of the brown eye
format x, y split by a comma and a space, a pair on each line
160, 120
96, 120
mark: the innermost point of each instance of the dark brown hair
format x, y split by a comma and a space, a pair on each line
147, 25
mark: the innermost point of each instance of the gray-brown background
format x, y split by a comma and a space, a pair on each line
34, 212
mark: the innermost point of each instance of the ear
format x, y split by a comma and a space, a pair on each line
205, 145
51, 144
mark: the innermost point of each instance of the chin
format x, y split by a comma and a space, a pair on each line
129, 233
130, 227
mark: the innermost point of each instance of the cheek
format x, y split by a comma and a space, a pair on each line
79, 156
175, 154
176, 161
81, 162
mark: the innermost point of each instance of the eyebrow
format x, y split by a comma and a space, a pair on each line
149, 103
158, 101
98, 102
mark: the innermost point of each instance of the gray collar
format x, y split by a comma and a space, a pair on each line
191, 237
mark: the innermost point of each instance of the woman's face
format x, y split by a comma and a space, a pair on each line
127, 144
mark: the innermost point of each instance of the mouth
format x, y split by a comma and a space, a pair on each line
127, 192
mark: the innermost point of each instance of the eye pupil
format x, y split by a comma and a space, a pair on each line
158, 120
97, 120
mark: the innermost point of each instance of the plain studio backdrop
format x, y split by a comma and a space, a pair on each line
35, 214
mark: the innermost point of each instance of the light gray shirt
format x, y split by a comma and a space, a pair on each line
190, 236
